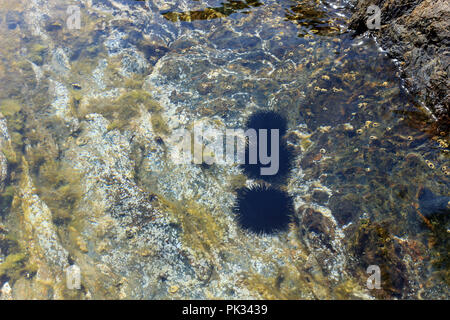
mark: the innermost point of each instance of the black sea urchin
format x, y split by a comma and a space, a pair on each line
263, 209
281, 157
285, 158
267, 120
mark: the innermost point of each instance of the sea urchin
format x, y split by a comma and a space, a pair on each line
267, 119
285, 159
263, 209
280, 158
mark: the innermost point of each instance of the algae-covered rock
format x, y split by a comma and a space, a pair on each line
93, 180
416, 33
375, 246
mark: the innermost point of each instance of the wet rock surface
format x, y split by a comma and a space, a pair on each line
416, 33
92, 180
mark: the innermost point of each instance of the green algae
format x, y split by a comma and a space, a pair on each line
15, 266
59, 186
200, 230
158, 124
313, 19
205, 234
6, 198
227, 8
10, 154
137, 97
134, 83
10, 107
13, 111
127, 107
37, 53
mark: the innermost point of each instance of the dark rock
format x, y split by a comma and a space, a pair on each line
318, 223
345, 207
431, 204
152, 51
417, 33
320, 196
374, 245
13, 19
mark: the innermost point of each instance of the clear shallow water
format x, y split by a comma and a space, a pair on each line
356, 131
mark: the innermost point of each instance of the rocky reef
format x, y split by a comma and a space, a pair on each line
88, 177
417, 34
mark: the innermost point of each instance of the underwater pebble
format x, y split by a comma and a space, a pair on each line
173, 289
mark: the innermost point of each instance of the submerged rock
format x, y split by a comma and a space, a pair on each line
98, 187
433, 205
417, 33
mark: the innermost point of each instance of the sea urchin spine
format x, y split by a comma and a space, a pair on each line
262, 122
263, 209
267, 119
